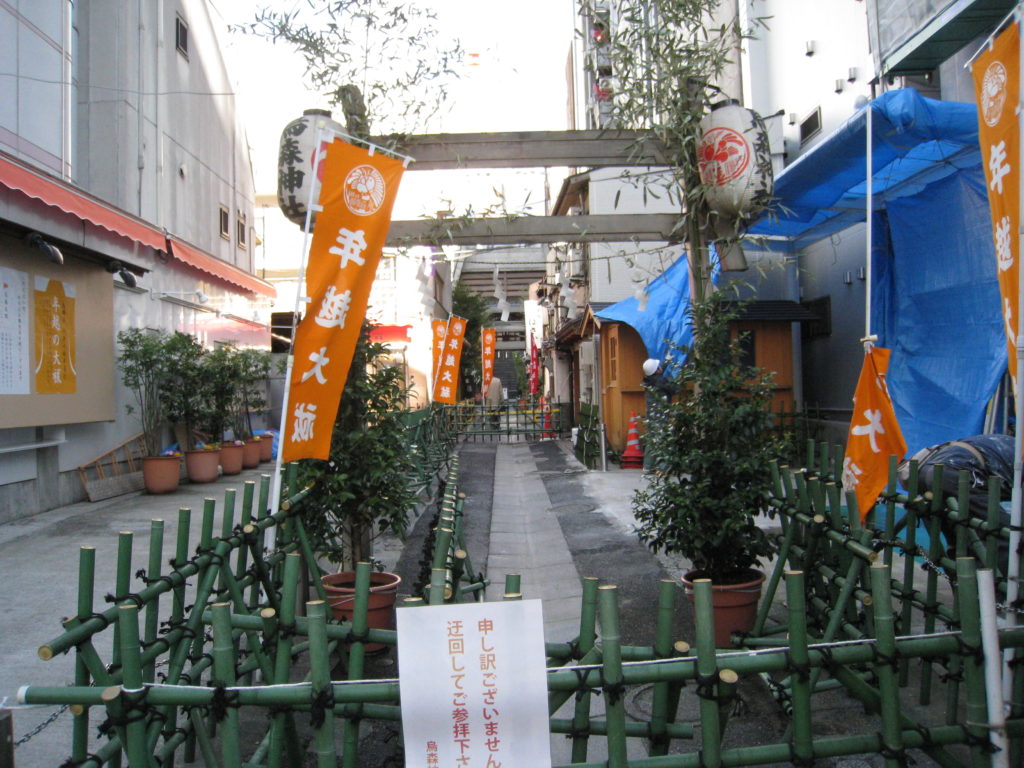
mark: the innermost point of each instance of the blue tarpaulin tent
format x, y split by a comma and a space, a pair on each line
664, 321
935, 296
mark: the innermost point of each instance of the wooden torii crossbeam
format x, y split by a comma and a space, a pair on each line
532, 149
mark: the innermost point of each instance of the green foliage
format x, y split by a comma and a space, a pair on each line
220, 368
363, 489
388, 53
184, 390
473, 308
143, 370
667, 59
253, 367
711, 448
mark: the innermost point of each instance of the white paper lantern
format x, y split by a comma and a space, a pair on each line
295, 163
735, 161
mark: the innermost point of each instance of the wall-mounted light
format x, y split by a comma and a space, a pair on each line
119, 269
809, 48
848, 277
793, 118
36, 240
851, 75
840, 84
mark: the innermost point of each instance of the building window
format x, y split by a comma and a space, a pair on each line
810, 126
821, 326
181, 36
241, 228
225, 223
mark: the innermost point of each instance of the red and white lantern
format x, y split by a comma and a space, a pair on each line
296, 156
735, 164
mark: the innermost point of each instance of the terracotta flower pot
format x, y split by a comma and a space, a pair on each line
202, 466
380, 611
266, 448
161, 474
231, 458
735, 605
251, 453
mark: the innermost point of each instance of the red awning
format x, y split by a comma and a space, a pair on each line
56, 193
220, 269
383, 334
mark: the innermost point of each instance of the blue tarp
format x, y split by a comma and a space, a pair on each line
916, 141
664, 322
935, 298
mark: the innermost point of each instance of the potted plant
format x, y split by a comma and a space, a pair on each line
185, 393
712, 447
220, 370
143, 370
363, 489
253, 367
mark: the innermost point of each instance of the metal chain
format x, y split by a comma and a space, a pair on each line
41, 727
916, 552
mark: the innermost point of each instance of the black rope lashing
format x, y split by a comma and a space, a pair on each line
706, 685
614, 692
134, 597
222, 699
321, 701
581, 683
89, 757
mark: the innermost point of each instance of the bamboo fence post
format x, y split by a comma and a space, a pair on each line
356, 656
587, 638
153, 571
707, 675
934, 497
994, 524
132, 692
122, 584
728, 682
659, 741
245, 518
322, 703
86, 587
890, 510
910, 552
224, 677
611, 665
282, 729
974, 672
885, 638
963, 511
800, 682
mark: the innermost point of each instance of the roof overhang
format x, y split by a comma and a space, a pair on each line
57, 193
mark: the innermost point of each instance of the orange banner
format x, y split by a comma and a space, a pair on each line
446, 383
356, 197
55, 337
996, 75
874, 433
487, 339
440, 329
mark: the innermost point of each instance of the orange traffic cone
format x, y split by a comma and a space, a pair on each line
548, 431
633, 456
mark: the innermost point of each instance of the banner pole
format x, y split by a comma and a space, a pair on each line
275, 489
1013, 569
868, 217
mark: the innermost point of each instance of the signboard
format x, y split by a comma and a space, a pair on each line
14, 326
473, 686
55, 337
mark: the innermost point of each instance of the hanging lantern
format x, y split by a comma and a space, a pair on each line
735, 164
295, 160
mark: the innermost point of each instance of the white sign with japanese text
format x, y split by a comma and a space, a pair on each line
473, 685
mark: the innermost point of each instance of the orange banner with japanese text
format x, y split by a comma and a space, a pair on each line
874, 435
996, 75
446, 383
356, 196
487, 340
440, 329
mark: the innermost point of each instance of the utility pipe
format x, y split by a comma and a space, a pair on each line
993, 668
